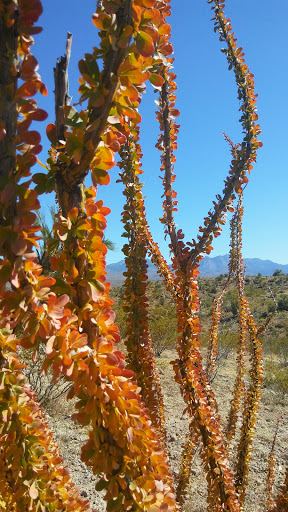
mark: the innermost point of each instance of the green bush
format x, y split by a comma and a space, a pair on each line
283, 302
163, 328
276, 377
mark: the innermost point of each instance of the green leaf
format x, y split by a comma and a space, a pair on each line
39, 177
102, 484
156, 80
97, 284
72, 117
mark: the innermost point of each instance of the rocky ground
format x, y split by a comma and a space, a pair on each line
273, 406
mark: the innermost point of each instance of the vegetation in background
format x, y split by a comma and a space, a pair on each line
162, 314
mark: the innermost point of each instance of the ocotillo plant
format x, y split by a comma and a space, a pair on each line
120, 405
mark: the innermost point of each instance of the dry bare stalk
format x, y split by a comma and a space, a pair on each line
168, 170
281, 501
239, 386
212, 351
270, 479
251, 406
8, 107
70, 178
62, 98
184, 474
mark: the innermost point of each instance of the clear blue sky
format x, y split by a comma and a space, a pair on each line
207, 99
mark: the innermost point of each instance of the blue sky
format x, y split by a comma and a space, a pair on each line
207, 99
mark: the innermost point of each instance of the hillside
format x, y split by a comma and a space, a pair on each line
264, 295
209, 267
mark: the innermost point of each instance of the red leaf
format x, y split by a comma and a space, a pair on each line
36, 149
111, 359
174, 112
37, 115
51, 133
127, 373
167, 49
29, 11
31, 200
45, 328
29, 106
32, 138
63, 300
31, 30
19, 247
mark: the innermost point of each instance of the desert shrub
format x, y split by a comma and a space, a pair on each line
46, 388
163, 328
231, 302
276, 376
283, 302
271, 306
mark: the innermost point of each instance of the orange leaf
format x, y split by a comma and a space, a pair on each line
26, 90
134, 74
144, 44
73, 215
156, 80
149, 3
165, 30
29, 68
104, 158
102, 20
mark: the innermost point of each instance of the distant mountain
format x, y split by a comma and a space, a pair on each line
209, 267
115, 272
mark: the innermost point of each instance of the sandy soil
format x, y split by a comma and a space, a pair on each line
273, 406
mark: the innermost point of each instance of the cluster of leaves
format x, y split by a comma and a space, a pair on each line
33, 475
137, 336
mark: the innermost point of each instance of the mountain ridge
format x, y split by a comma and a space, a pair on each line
209, 267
